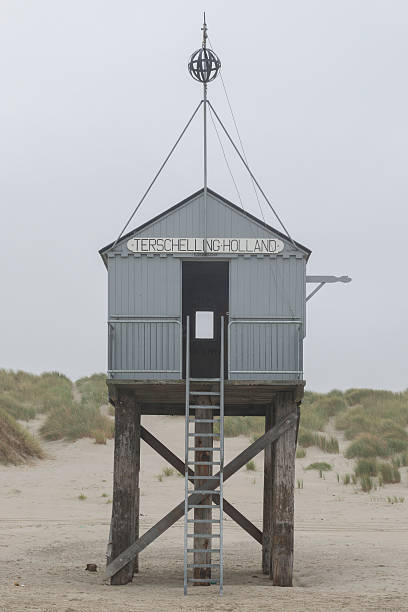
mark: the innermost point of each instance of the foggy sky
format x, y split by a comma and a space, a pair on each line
94, 95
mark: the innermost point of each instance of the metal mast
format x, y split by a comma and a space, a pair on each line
204, 29
204, 66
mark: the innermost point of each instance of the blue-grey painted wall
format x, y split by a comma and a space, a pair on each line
267, 292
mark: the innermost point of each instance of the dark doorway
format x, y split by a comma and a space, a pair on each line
205, 299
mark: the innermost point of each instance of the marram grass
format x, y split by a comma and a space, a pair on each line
17, 445
77, 420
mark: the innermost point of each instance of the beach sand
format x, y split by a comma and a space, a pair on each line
351, 548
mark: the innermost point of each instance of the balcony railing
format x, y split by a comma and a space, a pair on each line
264, 348
149, 346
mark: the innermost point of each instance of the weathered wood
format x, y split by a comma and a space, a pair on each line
267, 495
165, 452
125, 508
195, 498
137, 500
180, 409
236, 392
283, 496
203, 514
178, 464
240, 519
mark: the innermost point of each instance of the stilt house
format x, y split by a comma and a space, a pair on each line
206, 318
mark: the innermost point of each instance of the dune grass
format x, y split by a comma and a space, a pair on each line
166, 473
307, 438
320, 466
252, 427
17, 445
366, 483
77, 420
317, 410
376, 423
100, 436
93, 388
366, 466
367, 469
389, 473
23, 395
367, 445
16, 408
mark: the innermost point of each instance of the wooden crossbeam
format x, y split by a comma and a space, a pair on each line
165, 452
195, 498
179, 465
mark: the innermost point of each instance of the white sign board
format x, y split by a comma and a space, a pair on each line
255, 246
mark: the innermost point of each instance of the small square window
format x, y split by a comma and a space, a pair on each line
204, 325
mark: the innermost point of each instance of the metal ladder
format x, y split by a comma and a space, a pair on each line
190, 448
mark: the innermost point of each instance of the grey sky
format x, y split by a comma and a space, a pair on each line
94, 95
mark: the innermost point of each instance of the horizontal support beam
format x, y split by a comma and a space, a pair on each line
328, 279
210, 485
322, 280
180, 409
179, 465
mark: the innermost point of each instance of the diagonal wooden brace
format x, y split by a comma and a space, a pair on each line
174, 515
179, 465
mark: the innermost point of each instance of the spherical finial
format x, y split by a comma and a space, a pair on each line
204, 65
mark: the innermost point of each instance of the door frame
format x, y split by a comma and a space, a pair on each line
198, 260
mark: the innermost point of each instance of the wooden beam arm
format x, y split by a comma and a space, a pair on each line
195, 498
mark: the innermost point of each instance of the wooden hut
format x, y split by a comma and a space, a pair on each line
206, 318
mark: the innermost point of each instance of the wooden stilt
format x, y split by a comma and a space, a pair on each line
269, 453
137, 491
203, 514
283, 495
125, 508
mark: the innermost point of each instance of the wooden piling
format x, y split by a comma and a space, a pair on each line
283, 489
269, 455
205, 513
125, 508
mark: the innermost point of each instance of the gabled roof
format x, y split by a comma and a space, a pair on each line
105, 249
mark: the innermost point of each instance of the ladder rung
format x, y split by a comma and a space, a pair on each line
203, 535
203, 477
203, 492
192, 419
191, 565
206, 407
207, 506
203, 448
204, 462
203, 521
204, 393
211, 580
205, 379
206, 435
206, 550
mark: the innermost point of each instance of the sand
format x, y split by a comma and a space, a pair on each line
351, 548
